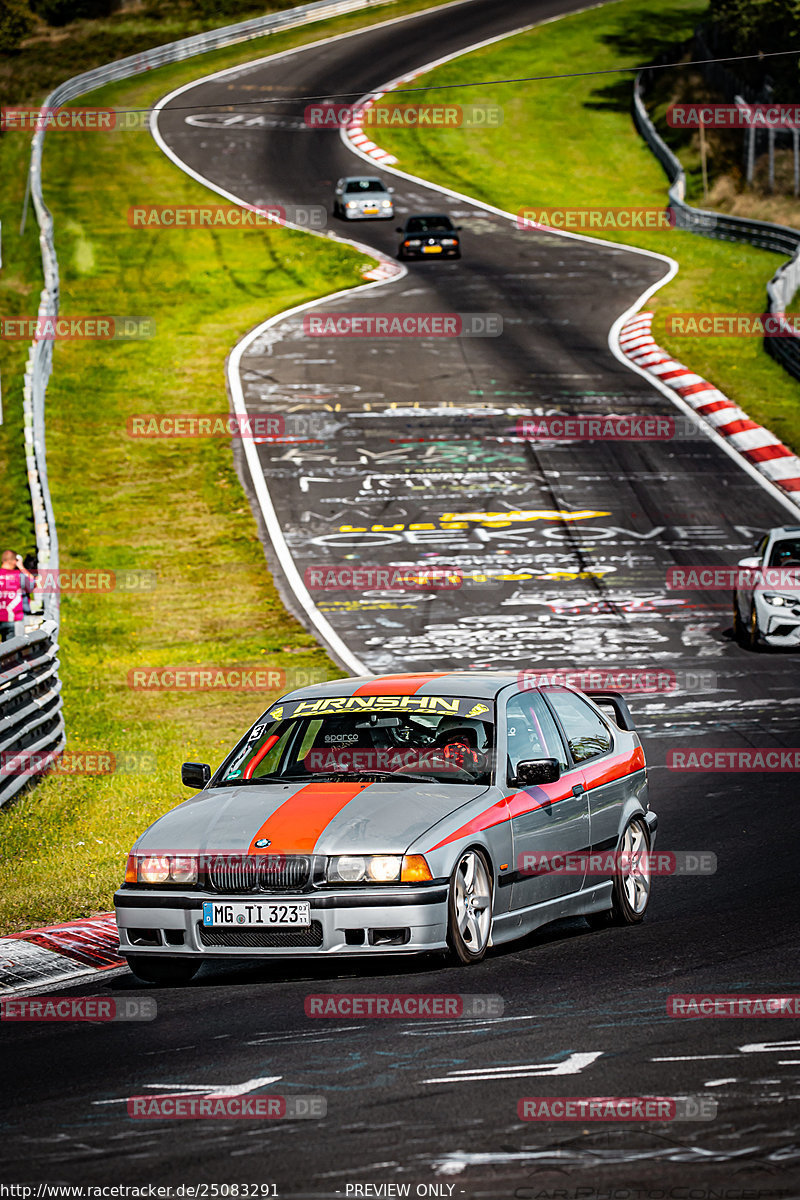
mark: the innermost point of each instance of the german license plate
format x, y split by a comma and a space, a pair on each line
431, 249
371, 211
293, 913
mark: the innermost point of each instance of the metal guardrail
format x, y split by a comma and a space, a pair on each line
781, 239
31, 721
30, 703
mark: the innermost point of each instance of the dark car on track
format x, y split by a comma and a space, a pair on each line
431, 234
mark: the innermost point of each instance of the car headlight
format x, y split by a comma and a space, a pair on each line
369, 868
349, 868
352, 204
384, 868
378, 868
413, 242
161, 868
386, 203
779, 601
449, 241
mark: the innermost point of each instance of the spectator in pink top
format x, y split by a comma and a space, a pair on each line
15, 582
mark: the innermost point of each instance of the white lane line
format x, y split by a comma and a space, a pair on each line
573, 1064
691, 1057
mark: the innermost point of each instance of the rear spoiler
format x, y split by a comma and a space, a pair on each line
616, 702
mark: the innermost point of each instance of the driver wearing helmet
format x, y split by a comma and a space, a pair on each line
458, 741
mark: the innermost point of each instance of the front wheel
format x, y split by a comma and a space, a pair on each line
753, 632
630, 894
738, 626
170, 972
469, 907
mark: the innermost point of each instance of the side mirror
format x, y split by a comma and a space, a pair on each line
458, 228
537, 770
399, 229
195, 775
750, 561
390, 190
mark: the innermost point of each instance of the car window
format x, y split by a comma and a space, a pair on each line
531, 732
587, 734
427, 224
444, 738
365, 185
785, 553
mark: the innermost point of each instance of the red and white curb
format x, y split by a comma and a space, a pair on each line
386, 269
58, 953
354, 130
756, 444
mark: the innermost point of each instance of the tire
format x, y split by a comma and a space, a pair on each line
170, 972
753, 636
738, 627
630, 895
469, 907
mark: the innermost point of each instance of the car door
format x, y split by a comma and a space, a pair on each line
606, 775
549, 818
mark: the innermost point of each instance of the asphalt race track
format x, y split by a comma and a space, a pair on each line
421, 434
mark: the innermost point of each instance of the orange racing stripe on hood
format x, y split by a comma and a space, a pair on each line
397, 685
295, 827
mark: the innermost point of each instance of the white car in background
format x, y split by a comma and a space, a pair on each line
766, 609
363, 197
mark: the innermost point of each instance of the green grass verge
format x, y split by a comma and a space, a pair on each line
173, 507
572, 143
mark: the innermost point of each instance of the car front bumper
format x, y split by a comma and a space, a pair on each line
357, 214
779, 627
400, 921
